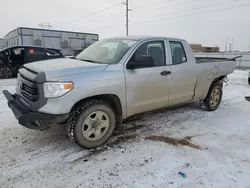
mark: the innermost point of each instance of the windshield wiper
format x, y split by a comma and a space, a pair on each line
89, 60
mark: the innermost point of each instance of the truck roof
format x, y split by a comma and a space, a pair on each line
141, 37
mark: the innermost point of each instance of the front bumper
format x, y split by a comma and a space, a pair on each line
29, 118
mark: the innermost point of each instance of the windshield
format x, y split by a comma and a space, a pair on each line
107, 51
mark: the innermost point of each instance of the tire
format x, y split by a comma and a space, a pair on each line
5, 72
91, 123
214, 96
249, 81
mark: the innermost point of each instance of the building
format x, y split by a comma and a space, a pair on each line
2, 43
70, 43
200, 48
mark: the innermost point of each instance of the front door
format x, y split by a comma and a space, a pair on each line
17, 57
148, 88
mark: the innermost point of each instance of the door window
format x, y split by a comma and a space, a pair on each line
153, 49
178, 53
17, 55
18, 51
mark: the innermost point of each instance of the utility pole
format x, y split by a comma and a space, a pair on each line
249, 45
43, 26
127, 16
230, 47
49, 26
226, 45
232, 44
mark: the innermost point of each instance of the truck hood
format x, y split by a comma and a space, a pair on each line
57, 68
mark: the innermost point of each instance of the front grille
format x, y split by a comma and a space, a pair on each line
28, 88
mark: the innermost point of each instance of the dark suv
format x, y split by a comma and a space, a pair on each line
11, 59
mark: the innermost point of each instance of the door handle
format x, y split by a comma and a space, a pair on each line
165, 73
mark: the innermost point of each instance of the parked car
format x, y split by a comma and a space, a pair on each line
112, 80
11, 59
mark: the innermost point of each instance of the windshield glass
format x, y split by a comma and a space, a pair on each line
107, 51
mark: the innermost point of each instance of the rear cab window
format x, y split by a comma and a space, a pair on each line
178, 52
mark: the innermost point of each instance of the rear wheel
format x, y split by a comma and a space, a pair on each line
213, 99
91, 123
5, 72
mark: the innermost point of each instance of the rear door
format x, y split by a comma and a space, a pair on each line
34, 54
183, 78
148, 88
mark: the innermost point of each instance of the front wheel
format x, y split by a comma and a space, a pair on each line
5, 72
91, 124
213, 99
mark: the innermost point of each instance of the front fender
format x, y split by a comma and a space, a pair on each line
86, 86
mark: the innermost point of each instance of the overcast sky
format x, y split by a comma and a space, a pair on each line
174, 18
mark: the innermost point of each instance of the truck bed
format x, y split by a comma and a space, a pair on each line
214, 59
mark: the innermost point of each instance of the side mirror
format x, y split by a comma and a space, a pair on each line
140, 61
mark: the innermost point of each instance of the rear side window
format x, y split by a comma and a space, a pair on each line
51, 53
35, 54
178, 53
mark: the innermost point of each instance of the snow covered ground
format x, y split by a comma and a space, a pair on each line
47, 158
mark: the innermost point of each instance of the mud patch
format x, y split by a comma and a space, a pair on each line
91, 153
120, 139
174, 141
128, 130
112, 143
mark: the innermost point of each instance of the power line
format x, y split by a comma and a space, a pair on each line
185, 2
176, 17
105, 26
181, 3
186, 15
157, 3
93, 13
198, 8
100, 19
191, 14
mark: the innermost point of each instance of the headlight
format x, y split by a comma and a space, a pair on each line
56, 89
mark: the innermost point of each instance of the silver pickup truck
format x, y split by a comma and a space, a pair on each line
112, 80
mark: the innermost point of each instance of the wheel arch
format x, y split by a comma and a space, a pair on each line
112, 99
218, 81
